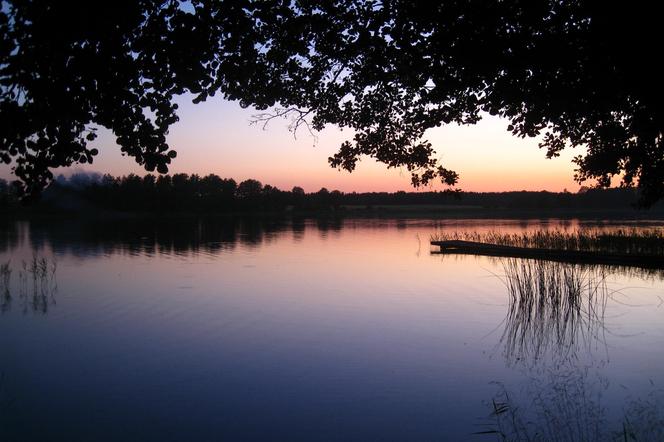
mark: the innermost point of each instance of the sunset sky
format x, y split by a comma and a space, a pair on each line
216, 137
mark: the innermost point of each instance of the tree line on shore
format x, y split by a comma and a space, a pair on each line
213, 194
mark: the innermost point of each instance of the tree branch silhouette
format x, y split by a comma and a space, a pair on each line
575, 72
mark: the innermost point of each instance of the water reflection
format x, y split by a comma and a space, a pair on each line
552, 330
565, 405
555, 310
212, 235
303, 329
5, 280
150, 236
570, 404
36, 285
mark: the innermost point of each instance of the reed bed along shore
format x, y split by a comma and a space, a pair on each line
648, 242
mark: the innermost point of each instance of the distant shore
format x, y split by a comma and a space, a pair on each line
193, 195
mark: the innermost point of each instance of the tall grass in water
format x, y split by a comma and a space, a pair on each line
562, 406
41, 272
567, 405
37, 284
5, 279
619, 241
554, 309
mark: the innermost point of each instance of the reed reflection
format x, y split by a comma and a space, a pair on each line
552, 330
573, 404
36, 285
555, 310
5, 279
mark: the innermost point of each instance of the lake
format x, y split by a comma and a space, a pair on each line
317, 329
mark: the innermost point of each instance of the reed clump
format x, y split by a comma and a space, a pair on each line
567, 404
37, 284
642, 242
5, 279
41, 272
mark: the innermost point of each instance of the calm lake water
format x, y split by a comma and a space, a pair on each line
315, 330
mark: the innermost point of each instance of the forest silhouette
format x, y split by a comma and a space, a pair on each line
211, 194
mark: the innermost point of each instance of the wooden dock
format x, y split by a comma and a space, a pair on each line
572, 256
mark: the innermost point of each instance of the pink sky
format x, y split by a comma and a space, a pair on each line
216, 137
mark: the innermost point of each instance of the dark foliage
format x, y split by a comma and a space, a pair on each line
577, 72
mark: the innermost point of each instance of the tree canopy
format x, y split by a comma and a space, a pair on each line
577, 73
